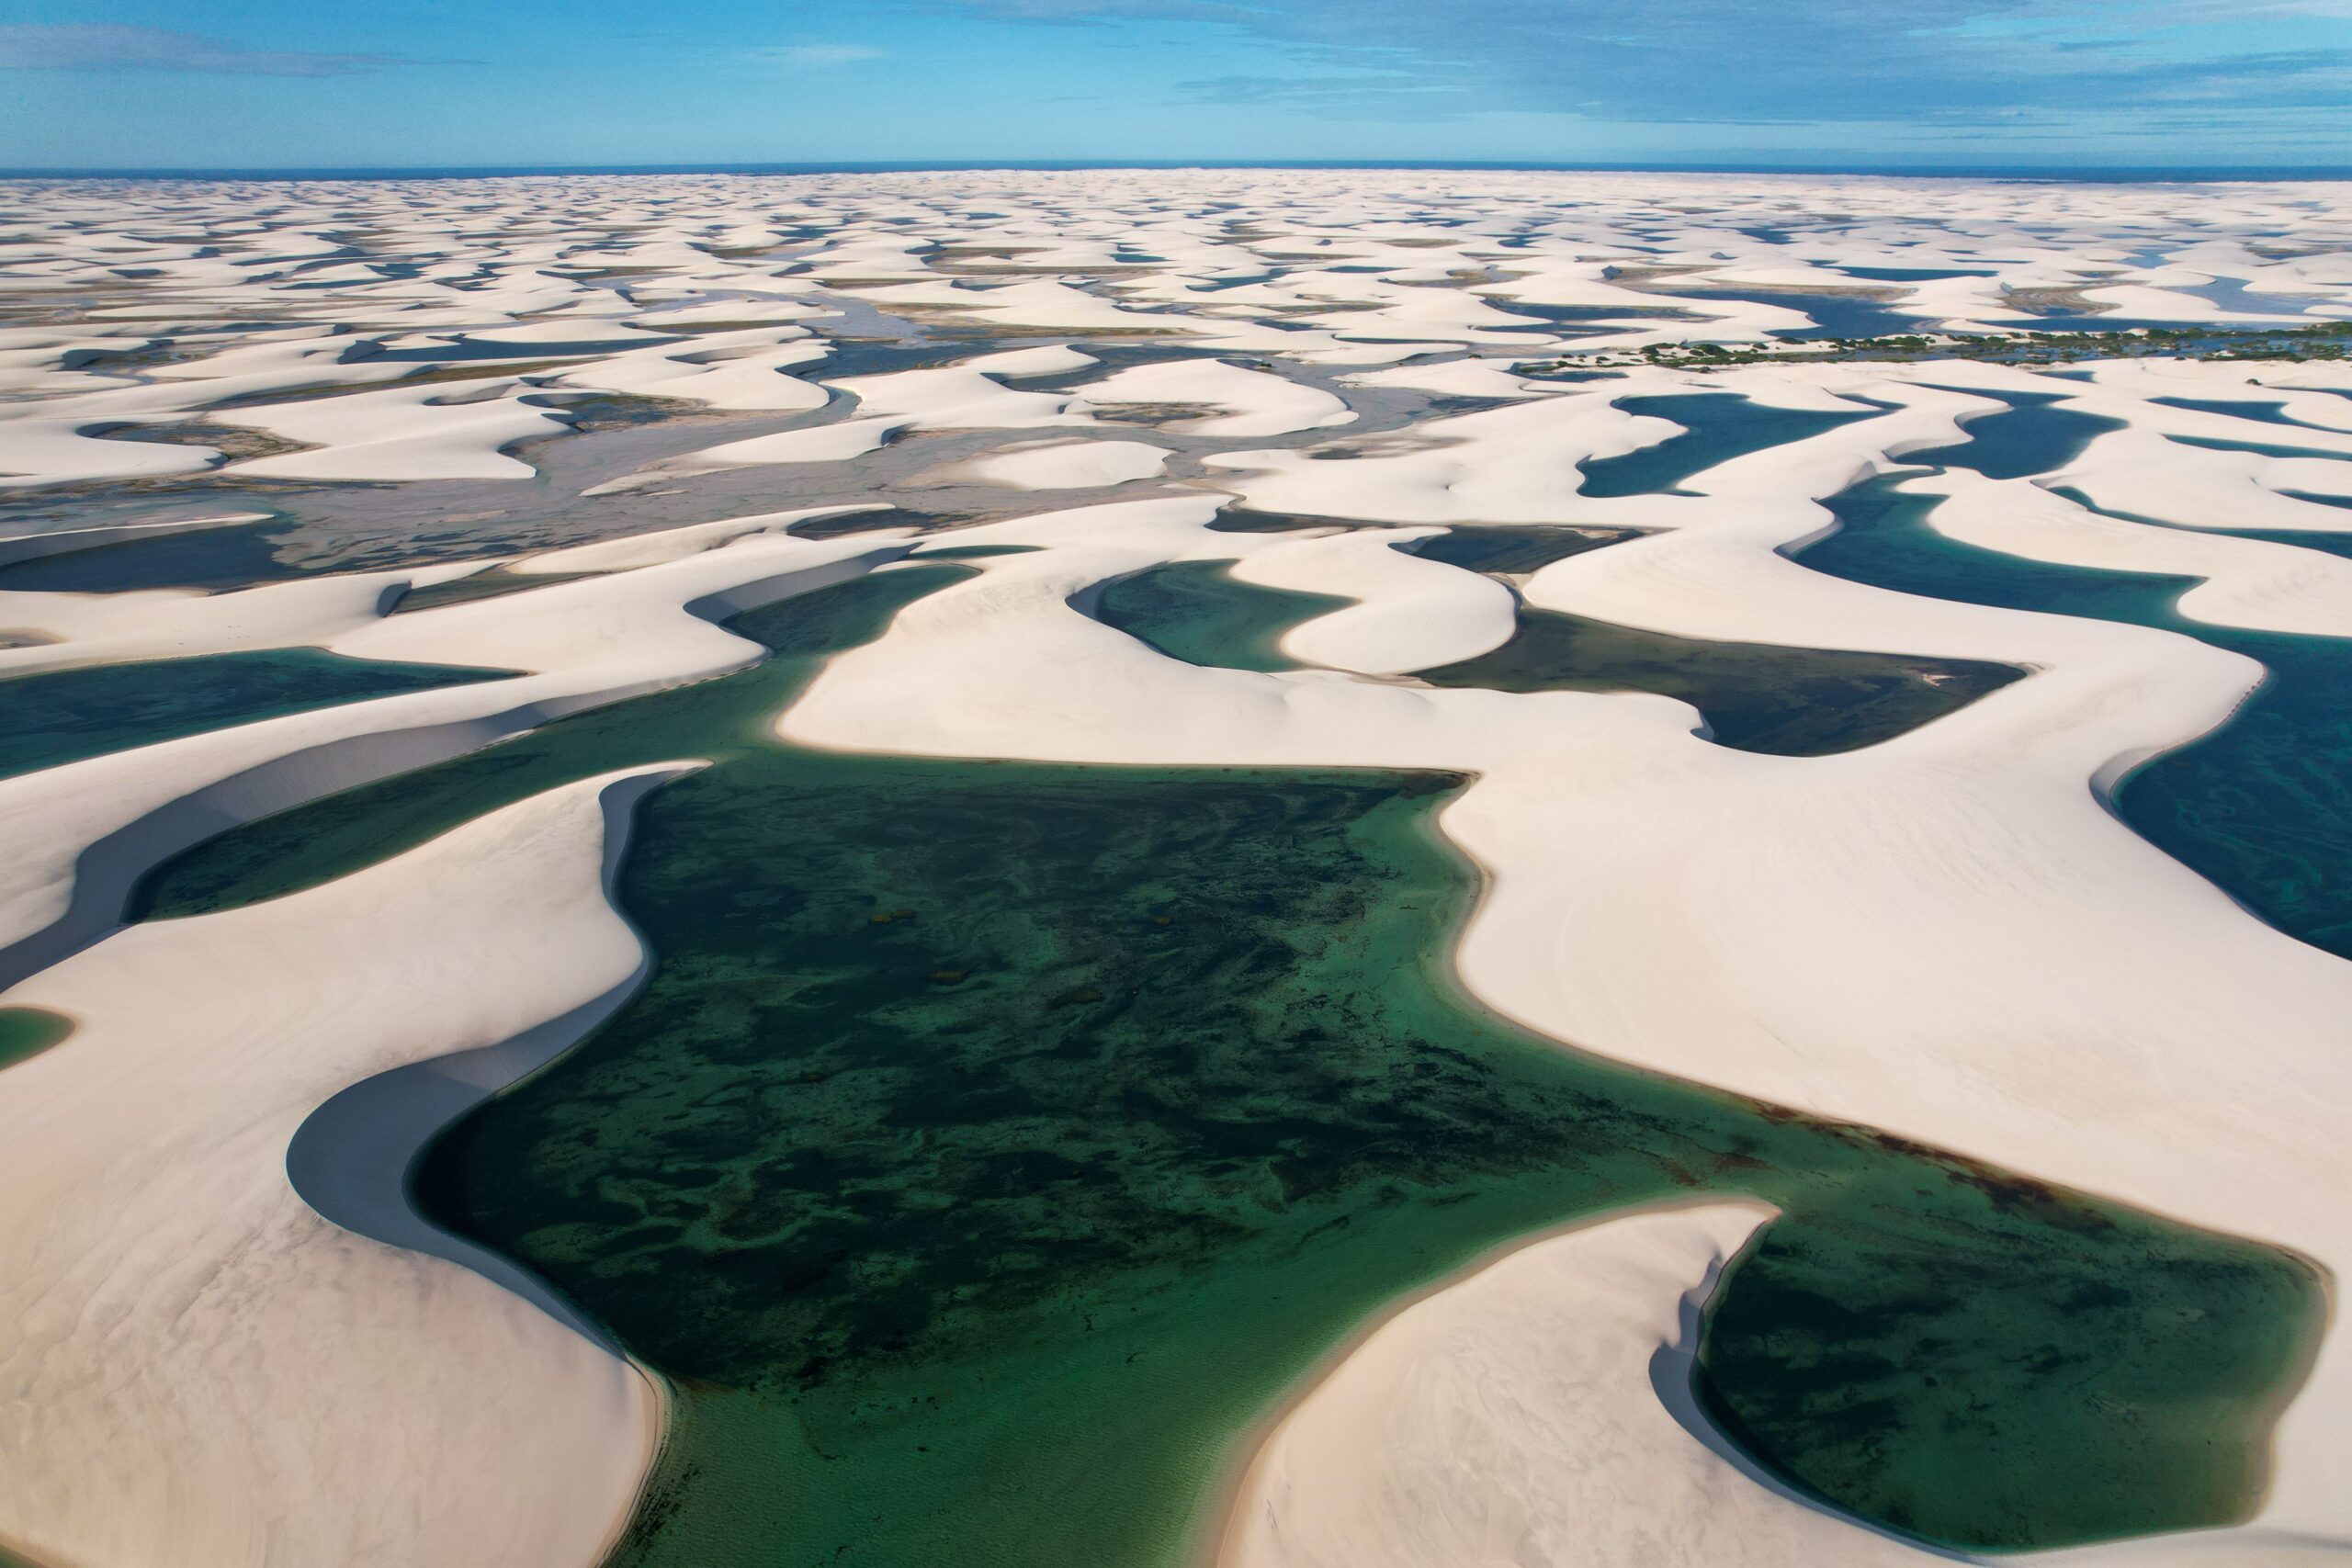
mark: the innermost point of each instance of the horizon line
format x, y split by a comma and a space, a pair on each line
2080, 173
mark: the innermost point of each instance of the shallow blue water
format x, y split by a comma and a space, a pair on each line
1915, 274
237, 556
2036, 433
2231, 294
2263, 807
2264, 413
1717, 427
1834, 315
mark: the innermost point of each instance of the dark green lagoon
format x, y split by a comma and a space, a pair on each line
1512, 551
1793, 702
64, 715
992, 1144
1199, 611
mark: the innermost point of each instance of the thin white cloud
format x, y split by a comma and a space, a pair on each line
110, 46
821, 54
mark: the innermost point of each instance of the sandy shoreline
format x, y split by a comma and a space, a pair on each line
1221, 1514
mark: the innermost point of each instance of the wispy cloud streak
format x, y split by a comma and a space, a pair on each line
107, 46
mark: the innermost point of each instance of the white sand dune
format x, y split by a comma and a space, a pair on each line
1787, 928
83, 834
2141, 473
1946, 935
1516, 1417
1539, 1411
742, 370
970, 396
1063, 465
172, 622
632, 551
1045, 303
1255, 404
2255, 583
1411, 614
1512, 464
966, 396
814, 443
443, 1419
455, 430
17, 548
1452, 379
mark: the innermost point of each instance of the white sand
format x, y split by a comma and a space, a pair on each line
1254, 403
61, 541
1411, 614
1063, 465
1897, 936
1539, 1412
82, 833
1946, 935
455, 430
1513, 1418
297, 1393
632, 551
815, 444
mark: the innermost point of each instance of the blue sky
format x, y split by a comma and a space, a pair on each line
413, 83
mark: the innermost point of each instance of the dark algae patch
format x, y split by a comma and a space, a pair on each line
64, 715
992, 1143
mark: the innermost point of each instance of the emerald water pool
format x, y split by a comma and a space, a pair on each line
1199, 611
993, 1143
1754, 696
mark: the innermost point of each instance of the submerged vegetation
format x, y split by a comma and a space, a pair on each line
979, 1120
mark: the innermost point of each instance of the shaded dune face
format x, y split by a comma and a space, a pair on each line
1206, 776
975, 1111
